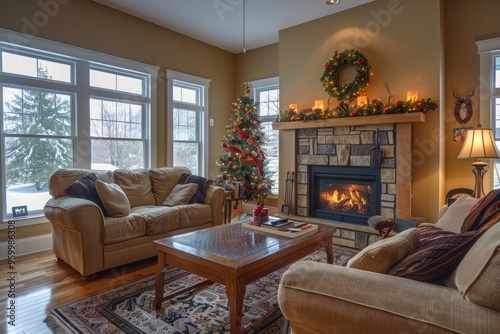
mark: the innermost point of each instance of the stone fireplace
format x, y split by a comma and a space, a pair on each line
334, 177
346, 144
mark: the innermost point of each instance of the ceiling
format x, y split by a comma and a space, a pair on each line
220, 22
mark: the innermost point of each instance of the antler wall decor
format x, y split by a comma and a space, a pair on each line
463, 106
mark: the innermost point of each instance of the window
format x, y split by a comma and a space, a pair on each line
266, 94
63, 107
489, 51
188, 121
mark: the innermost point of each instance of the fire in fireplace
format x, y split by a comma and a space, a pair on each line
348, 194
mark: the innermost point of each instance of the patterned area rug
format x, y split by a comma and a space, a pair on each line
128, 309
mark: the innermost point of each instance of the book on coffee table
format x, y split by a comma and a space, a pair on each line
284, 232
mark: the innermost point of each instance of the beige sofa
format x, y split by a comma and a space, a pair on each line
91, 242
321, 298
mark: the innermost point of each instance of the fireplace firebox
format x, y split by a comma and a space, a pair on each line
346, 194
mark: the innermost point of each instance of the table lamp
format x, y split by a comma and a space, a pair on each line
479, 143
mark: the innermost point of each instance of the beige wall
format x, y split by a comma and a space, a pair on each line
465, 23
89, 25
403, 45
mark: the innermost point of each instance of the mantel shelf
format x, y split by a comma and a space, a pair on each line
350, 121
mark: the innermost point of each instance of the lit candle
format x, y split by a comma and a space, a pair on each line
318, 104
362, 100
412, 95
295, 107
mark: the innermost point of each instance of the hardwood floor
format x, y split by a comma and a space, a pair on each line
41, 284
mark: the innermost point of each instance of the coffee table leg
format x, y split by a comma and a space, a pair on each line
159, 280
235, 291
329, 251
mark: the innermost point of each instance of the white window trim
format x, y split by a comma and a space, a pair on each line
259, 83
487, 49
172, 75
75, 54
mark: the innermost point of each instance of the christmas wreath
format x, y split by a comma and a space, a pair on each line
330, 78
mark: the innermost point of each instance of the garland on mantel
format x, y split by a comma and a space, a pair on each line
374, 107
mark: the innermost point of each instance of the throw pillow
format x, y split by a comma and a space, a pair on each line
484, 214
454, 216
477, 275
85, 188
203, 185
382, 255
436, 256
113, 198
181, 194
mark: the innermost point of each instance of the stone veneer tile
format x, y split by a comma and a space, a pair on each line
387, 212
361, 161
388, 163
302, 212
388, 151
344, 242
302, 200
373, 238
361, 240
388, 198
301, 178
366, 137
301, 189
361, 149
325, 131
347, 234
388, 175
326, 149
344, 151
341, 130
307, 133
304, 150
387, 204
390, 137
302, 168
313, 159
333, 161
391, 188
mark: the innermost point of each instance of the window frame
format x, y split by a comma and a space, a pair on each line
202, 85
81, 61
488, 50
258, 86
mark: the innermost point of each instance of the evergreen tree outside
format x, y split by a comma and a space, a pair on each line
245, 161
31, 118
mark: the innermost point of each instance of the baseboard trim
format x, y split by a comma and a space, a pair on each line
28, 245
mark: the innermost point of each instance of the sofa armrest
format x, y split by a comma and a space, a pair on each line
77, 233
322, 298
215, 198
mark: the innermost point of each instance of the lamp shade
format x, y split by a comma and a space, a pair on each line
479, 143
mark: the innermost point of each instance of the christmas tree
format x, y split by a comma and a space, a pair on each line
245, 161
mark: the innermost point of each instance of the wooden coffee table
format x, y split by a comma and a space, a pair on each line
234, 256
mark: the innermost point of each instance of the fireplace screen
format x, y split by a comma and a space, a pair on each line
344, 194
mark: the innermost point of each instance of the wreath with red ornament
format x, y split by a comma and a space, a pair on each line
331, 76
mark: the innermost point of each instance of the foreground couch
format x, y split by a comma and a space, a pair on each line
135, 207
363, 298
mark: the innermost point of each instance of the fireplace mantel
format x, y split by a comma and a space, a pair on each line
350, 121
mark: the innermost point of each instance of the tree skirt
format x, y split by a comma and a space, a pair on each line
129, 309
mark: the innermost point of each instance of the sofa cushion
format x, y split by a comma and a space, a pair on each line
113, 198
164, 179
137, 186
384, 254
159, 219
181, 194
454, 216
202, 183
477, 276
437, 255
484, 214
195, 214
118, 229
85, 188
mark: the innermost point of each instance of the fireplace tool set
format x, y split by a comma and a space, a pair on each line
376, 153
288, 204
